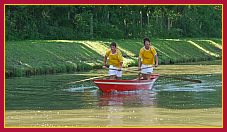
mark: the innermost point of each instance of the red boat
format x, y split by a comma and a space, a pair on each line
107, 86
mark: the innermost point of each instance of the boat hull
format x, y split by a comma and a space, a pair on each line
125, 85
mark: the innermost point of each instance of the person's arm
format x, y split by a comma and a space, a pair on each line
104, 62
155, 56
139, 63
121, 64
140, 59
120, 58
156, 60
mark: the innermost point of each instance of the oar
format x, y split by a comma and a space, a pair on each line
184, 79
133, 70
100, 76
139, 73
92, 78
123, 70
178, 78
88, 79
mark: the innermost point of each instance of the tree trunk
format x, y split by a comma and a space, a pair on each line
148, 19
200, 25
125, 28
169, 24
69, 15
91, 26
108, 16
141, 21
162, 22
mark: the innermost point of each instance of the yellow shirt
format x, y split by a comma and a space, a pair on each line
147, 56
114, 59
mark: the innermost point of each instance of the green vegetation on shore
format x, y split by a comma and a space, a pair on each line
33, 57
74, 22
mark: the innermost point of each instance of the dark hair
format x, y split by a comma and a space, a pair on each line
146, 39
113, 44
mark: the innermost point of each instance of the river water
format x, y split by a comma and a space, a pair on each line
49, 101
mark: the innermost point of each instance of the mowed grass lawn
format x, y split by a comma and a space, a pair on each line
32, 57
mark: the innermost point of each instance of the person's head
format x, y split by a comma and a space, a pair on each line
113, 46
146, 42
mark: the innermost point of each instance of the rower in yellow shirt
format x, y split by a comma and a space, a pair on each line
147, 59
115, 61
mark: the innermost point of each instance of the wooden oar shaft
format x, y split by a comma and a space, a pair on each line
147, 67
143, 68
86, 79
92, 78
177, 78
184, 79
124, 70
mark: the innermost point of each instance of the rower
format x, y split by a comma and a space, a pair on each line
147, 59
115, 62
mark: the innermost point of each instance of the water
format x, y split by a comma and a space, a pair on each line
48, 101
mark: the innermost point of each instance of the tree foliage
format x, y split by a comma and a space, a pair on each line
112, 21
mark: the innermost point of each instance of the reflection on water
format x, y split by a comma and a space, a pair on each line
130, 99
46, 101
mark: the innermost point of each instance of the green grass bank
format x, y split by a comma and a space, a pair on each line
34, 57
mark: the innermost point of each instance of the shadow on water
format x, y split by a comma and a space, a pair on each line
51, 93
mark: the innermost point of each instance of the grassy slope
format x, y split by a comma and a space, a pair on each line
55, 56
